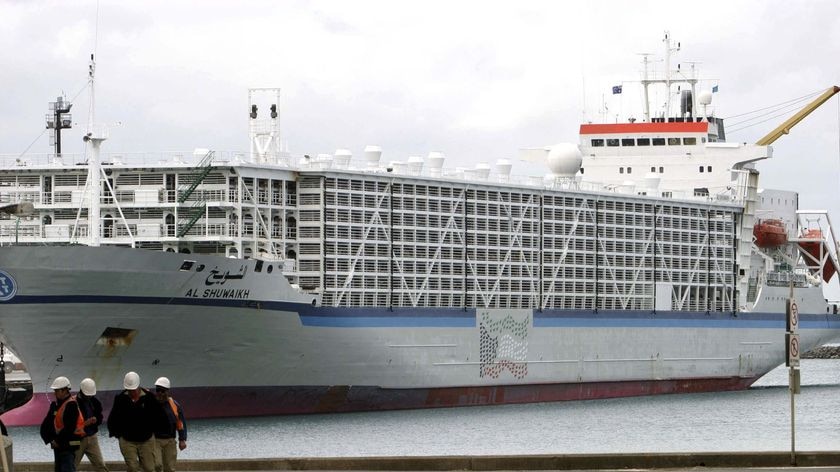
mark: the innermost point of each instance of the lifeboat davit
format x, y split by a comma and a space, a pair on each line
769, 233
818, 249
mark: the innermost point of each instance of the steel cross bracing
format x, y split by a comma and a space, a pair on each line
451, 228
516, 241
373, 224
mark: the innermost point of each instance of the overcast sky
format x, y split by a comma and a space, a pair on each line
474, 79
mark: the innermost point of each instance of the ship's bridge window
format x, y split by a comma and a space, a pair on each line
708, 168
661, 170
581, 170
689, 141
673, 141
613, 142
643, 142
701, 169
629, 170
658, 141
621, 170
597, 142
628, 142
653, 169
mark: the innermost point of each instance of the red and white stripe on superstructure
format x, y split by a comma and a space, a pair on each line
633, 129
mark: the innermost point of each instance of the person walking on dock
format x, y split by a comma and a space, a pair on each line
132, 420
63, 427
173, 423
91, 410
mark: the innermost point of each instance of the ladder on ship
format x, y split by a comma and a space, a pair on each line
195, 211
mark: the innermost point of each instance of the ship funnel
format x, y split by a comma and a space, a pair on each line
372, 155
435, 162
686, 103
503, 168
652, 180
415, 165
324, 161
341, 158
482, 171
627, 187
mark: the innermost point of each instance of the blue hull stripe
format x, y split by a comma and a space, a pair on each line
364, 317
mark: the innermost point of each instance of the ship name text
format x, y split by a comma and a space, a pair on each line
219, 293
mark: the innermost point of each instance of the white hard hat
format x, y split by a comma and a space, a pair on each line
88, 387
162, 382
131, 381
60, 382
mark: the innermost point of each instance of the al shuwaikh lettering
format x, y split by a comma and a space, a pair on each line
218, 293
217, 277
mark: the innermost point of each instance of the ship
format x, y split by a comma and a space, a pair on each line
267, 283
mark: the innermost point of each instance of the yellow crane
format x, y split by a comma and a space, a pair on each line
785, 127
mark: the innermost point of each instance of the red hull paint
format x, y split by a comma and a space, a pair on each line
267, 401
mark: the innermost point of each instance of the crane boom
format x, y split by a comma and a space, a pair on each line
785, 127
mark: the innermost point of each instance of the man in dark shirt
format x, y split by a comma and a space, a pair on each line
92, 412
132, 419
63, 427
166, 452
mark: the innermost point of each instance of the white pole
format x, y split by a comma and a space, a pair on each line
93, 176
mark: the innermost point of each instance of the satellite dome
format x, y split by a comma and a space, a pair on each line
564, 159
705, 97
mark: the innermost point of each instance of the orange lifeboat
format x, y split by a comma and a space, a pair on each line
816, 249
769, 233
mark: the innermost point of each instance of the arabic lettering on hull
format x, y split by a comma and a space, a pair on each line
218, 277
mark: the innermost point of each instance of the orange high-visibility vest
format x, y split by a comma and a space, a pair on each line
179, 425
58, 421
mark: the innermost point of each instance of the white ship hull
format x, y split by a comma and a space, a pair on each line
257, 338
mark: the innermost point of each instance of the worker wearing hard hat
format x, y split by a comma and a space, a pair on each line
166, 451
64, 426
91, 410
132, 419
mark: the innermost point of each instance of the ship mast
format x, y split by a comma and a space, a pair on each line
670, 48
93, 138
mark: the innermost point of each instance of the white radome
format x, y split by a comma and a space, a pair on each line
564, 159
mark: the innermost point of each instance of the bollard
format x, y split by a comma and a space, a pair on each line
6, 455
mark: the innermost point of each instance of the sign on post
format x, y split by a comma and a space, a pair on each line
792, 311
792, 349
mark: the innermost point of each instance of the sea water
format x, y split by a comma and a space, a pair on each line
757, 419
